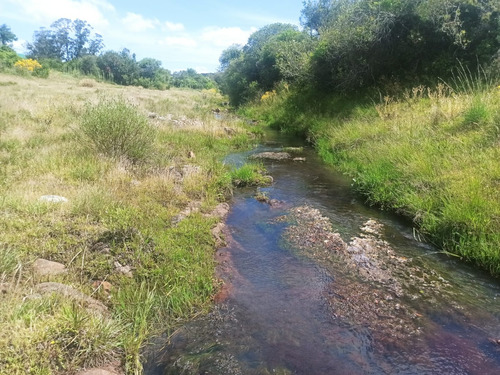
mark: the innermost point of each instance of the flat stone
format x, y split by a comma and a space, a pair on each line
97, 371
44, 267
64, 290
53, 199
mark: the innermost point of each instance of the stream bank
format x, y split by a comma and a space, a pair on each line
315, 282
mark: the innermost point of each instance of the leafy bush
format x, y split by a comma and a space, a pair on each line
116, 129
41, 72
8, 57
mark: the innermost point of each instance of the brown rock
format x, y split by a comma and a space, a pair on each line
44, 267
104, 286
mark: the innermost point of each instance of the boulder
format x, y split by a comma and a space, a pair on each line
44, 267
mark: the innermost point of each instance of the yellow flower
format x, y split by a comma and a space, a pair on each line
268, 95
27, 64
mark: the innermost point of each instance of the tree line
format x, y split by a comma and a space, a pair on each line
72, 46
351, 45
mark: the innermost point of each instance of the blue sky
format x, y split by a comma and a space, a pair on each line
181, 34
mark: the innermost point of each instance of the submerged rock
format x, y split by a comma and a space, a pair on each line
272, 155
373, 282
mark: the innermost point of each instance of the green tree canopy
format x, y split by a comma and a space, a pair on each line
6, 36
65, 40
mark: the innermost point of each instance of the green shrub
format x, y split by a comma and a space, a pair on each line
8, 57
42, 72
116, 129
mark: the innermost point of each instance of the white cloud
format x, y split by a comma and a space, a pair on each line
170, 26
19, 45
225, 36
136, 22
46, 13
179, 41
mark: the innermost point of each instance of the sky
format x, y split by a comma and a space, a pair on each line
181, 34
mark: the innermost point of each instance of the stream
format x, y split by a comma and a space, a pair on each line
316, 282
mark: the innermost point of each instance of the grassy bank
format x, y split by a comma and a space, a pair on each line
135, 231
432, 155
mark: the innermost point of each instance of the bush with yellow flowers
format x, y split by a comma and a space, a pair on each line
28, 65
268, 95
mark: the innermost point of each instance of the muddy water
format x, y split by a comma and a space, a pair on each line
315, 282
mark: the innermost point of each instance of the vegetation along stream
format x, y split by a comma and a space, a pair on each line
316, 282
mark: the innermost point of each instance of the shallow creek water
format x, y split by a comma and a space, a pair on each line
316, 282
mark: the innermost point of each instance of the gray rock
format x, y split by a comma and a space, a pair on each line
44, 267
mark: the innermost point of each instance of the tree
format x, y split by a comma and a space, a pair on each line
119, 67
255, 68
231, 53
191, 79
65, 40
149, 67
6, 36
